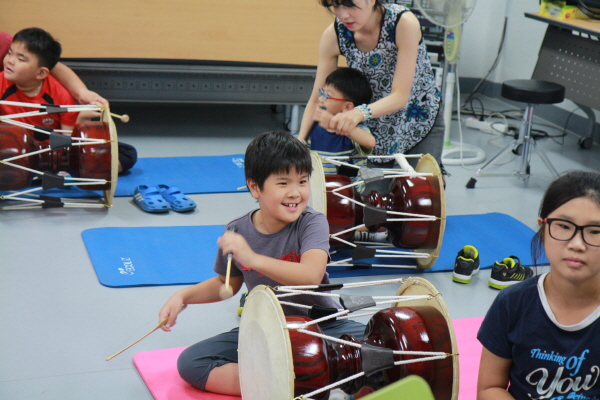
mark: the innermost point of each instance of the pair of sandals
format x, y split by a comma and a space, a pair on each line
162, 199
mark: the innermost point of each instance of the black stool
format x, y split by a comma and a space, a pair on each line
532, 92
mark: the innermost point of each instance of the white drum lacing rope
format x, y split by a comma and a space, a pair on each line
10, 119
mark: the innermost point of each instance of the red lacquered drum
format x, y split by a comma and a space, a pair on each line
93, 161
278, 362
420, 195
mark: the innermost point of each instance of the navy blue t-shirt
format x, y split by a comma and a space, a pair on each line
550, 361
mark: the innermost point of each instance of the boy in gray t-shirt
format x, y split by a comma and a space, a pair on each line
283, 242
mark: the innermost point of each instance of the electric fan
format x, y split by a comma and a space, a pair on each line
451, 14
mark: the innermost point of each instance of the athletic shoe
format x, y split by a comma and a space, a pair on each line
508, 272
242, 303
466, 264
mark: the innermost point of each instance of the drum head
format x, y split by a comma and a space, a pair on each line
265, 351
114, 155
420, 286
430, 165
318, 198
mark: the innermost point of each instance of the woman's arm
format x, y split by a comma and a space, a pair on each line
408, 36
493, 377
327, 63
75, 86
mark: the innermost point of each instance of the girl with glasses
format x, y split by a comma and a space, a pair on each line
541, 337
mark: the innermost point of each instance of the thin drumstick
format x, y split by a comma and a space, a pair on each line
226, 291
124, 118
161, 323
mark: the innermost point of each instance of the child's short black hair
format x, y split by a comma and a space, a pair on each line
273, 152
352, 83
42, 44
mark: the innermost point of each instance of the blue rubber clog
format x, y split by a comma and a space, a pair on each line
178, 201
149, 199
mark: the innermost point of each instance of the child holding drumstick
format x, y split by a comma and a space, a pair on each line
283, 242
541, 337
26, 78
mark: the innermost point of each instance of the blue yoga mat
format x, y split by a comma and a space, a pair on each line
495, 235
192, 175
151, 256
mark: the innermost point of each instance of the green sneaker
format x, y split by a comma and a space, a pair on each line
466, 264
242, 303
508, 272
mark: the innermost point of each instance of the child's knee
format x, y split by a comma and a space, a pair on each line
194, 368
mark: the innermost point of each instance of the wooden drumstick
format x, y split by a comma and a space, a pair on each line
226, 291
124, 118
161, 323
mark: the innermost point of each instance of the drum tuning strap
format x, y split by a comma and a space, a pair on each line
373, 216
353, 303
371, 174
347, 171
375, 359
54, 109
362, 252
52, 181
51, 202
326, 287
317, 312
39, 135
58, 141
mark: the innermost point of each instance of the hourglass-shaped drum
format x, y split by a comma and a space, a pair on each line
421, 195
91, 154
278, 362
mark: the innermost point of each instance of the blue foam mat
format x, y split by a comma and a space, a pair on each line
153, 256
192, 175
495, 235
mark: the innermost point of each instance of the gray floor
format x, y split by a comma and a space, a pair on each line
60, 324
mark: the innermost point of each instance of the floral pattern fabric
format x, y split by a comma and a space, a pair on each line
402, 130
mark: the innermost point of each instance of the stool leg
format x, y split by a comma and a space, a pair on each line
525, 134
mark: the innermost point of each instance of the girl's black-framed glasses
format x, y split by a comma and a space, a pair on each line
563, 230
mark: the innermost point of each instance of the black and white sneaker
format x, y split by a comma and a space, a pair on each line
466, 264
508, 272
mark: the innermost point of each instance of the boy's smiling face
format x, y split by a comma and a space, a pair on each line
282, 200
22, 67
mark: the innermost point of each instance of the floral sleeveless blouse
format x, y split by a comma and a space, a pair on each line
399, 131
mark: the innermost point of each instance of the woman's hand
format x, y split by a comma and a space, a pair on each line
88, 97
343, 123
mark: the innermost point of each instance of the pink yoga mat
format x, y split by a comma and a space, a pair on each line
158, 368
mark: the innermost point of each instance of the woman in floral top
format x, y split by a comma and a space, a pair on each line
384, 41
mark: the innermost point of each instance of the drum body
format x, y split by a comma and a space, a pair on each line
318, 363
421, 195
92, 161
277, 361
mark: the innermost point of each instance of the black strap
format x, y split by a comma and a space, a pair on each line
374, 359
362, 252
51, 181
58, 141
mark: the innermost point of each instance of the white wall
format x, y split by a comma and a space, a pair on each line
481, 38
